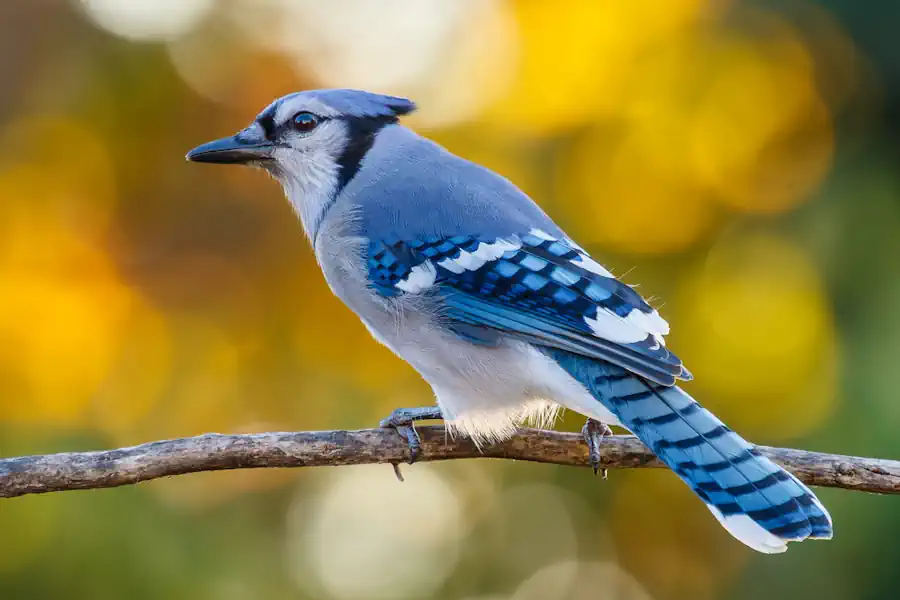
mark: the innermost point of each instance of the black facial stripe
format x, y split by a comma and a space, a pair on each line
267, 121
361, 132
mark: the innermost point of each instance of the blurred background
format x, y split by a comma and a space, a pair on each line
737, 159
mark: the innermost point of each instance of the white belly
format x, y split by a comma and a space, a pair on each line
487, 392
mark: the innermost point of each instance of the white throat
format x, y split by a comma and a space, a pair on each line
310, 184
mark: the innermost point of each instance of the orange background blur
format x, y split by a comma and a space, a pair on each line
737, 159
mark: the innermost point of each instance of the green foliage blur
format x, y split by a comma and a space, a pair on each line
737, 159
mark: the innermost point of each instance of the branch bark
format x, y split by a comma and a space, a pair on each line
213, 452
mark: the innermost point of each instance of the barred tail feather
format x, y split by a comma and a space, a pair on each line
758, 502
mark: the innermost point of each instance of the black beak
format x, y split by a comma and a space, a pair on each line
237, 150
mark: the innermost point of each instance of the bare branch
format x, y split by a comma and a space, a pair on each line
213, 452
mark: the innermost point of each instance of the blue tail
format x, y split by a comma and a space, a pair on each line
757, 501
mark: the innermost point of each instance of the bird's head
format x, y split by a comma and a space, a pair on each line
313, 142
303, 127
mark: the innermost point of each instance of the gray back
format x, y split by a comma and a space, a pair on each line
408, 186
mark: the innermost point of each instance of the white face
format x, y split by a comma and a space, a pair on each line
312, 148
309, 139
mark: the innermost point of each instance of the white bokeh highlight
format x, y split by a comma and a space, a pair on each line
366, 535
574, 580
454, 57
369, 45
147, 20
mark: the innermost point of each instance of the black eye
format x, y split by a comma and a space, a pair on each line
304, 122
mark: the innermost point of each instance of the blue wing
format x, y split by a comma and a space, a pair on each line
534, 287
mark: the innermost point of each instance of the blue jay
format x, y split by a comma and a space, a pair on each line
463, 276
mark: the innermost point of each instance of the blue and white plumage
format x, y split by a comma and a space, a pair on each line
463, 276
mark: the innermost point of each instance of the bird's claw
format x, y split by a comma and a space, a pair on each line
405, 427
594, 432
402, 421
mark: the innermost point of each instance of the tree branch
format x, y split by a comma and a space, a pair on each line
213, 452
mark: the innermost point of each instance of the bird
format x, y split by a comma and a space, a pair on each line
463, 276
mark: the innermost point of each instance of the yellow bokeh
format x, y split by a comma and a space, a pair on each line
573, 59
714, 118
621, 198
70, 166
61, 306
137, 377
760, 135
209, 396
759, 335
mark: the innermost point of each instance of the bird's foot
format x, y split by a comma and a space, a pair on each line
594, 432
402, 420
